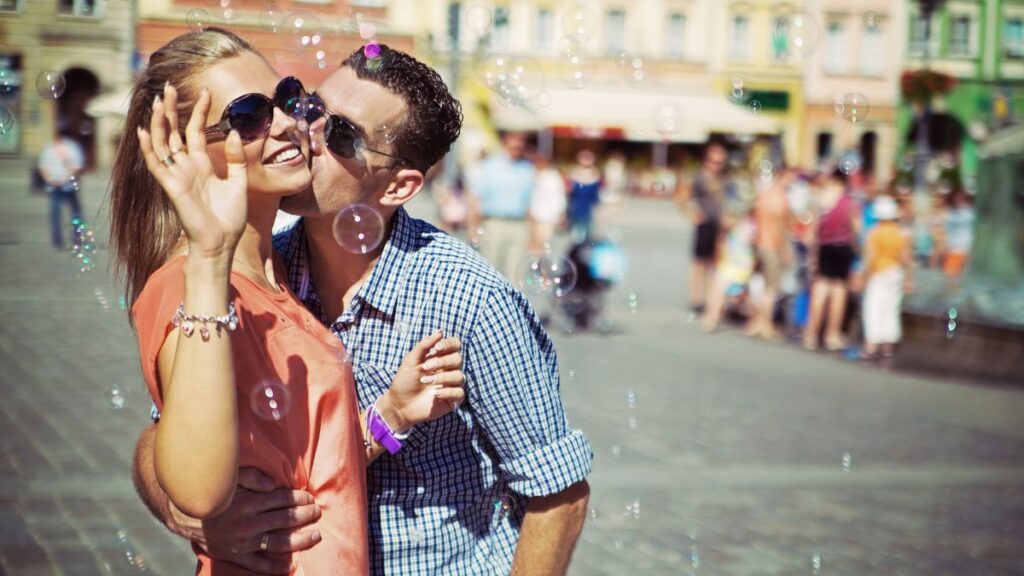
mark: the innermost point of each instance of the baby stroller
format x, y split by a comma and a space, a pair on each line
600, 264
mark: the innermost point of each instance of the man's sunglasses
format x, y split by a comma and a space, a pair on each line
343, 138
251, 115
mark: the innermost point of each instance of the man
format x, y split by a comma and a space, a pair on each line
498, 485
500, 188
704, 201
60, 163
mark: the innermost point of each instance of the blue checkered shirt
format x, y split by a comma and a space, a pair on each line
452, 501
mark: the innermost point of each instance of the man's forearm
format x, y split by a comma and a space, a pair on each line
153, 496
551, 526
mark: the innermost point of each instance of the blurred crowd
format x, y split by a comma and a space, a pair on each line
819, 256
822, 256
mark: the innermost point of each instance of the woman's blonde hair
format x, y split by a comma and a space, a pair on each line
143, 226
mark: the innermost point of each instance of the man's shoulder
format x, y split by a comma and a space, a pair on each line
445, 257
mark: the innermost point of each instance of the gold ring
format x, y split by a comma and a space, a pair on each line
168, 161
264, 541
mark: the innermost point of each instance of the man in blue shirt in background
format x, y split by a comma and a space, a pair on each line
501, 187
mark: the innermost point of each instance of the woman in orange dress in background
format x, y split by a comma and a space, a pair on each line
242, 373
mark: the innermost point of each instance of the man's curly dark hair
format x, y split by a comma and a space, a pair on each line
434, 117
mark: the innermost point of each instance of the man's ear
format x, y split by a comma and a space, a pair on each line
406, 184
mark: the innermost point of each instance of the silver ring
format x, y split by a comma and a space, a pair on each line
168, 161
264, 541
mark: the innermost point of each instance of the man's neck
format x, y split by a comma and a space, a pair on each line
336, 273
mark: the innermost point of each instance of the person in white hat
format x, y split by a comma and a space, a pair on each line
888, 265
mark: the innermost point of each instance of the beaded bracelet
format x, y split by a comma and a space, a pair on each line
188, 322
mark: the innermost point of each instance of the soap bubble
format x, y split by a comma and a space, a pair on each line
579, 21
270, 400
754, 106
855, 107
116, 394
849, 164
358, 229
51, 84
198, 20
634, 67
795, 34
270, 17
529, 278
8, 81
478, 19
668, 119
303, 28
577, 75
559, 274
569, 46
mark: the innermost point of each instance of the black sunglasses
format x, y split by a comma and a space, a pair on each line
343, 138
251, 115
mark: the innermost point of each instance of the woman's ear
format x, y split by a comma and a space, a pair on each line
406, 184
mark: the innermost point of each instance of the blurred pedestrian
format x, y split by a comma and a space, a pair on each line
61, 163
834, 243
730, 286
774, 251
959, 236
547, 207
888, 262
703, 199
616, 179
501, 186
584, 195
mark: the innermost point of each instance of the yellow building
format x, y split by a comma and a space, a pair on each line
54, 57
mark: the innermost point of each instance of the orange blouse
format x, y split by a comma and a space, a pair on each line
316, 445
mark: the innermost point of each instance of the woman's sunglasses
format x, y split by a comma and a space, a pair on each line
343, 138
251, 115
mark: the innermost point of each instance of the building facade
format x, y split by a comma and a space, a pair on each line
981, 44
55, 56
856, 63
303, 38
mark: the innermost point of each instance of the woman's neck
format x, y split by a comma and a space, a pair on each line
254, 254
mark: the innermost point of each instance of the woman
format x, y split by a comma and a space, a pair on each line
837, 230
547, 206
242, 373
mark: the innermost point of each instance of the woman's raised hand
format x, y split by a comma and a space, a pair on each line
212, 210
428, 384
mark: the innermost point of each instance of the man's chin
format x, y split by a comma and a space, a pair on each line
302, 204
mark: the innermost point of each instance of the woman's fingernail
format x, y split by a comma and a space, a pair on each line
430, 365
426, 380
316, 535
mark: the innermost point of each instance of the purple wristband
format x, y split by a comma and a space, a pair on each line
382, 433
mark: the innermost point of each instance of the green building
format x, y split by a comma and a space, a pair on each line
981, 43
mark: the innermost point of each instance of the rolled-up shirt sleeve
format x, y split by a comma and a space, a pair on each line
513, 389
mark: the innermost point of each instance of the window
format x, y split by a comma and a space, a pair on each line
740, 41
499, 29
1013, 38
543, 30
10, 5
835, 43
84, 8
872, 51
615, 31
675, 36
960, 36
917, 34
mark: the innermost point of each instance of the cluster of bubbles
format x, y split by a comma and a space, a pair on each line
951, 323
270, 400
546, 273
358, 229
633, 66
578, 25
870, 20
796, 35
816, 563
633, 300
371, 50
83, 245
517, 80
668, 119
101, 299
847, 461
854, 107
767, 171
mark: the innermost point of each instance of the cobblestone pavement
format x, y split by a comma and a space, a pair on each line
735, 457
